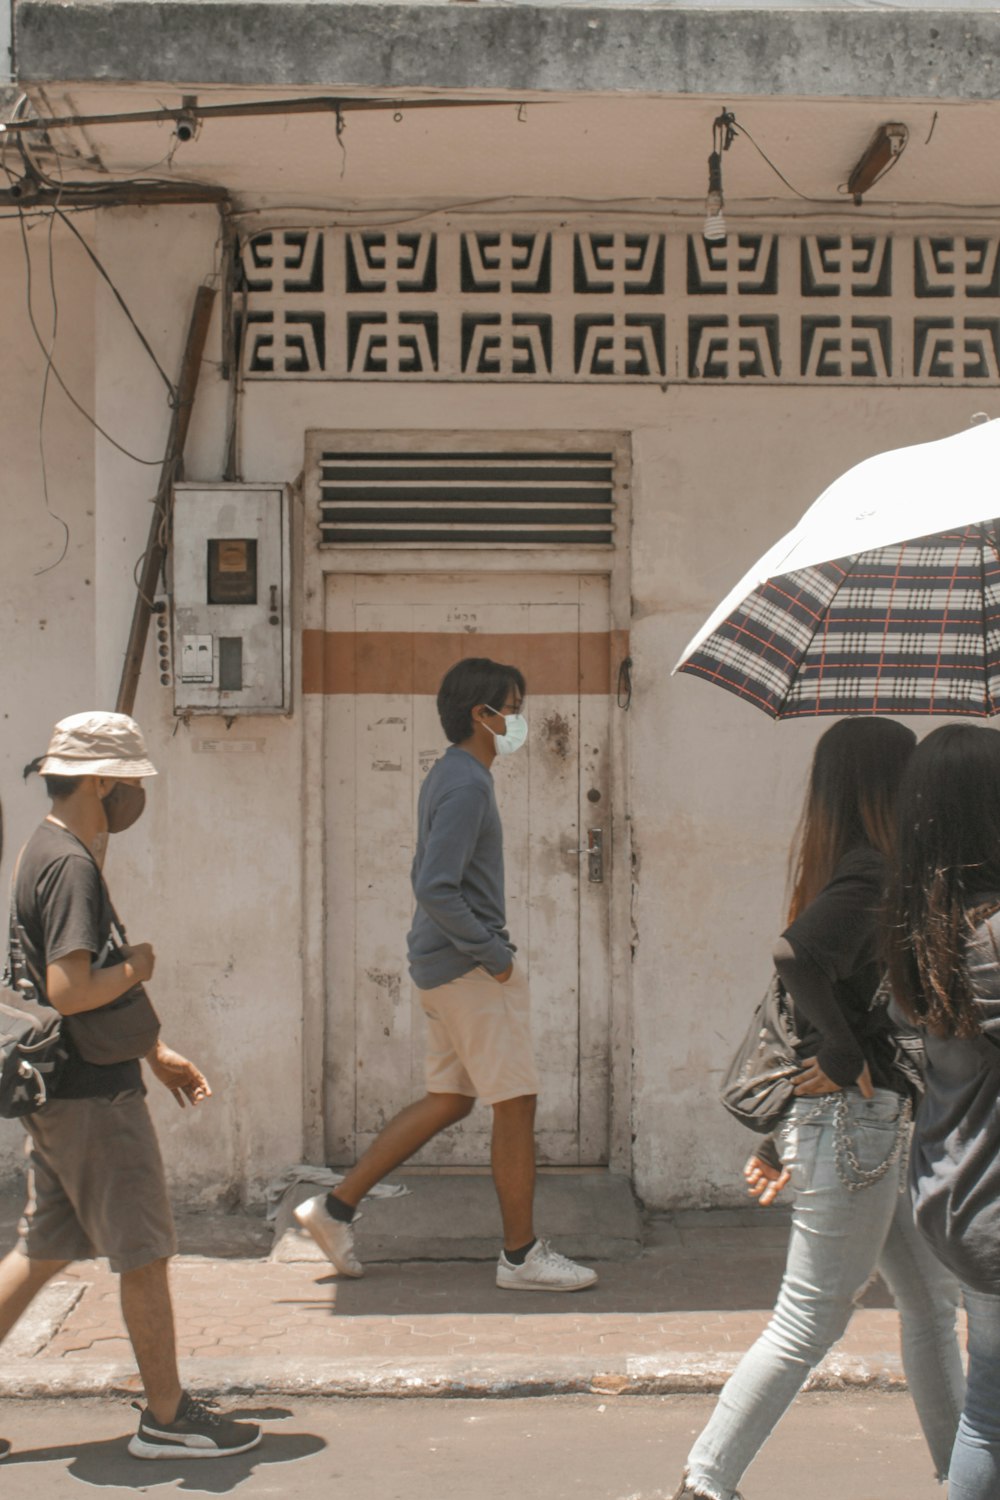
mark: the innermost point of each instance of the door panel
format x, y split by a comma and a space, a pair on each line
388, 642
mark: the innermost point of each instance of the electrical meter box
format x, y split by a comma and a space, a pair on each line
230, 605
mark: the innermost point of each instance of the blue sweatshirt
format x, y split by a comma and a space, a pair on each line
457, 875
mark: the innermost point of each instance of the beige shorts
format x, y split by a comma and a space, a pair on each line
479, 1038
96, 1184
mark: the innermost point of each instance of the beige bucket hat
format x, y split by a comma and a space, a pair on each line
97, 744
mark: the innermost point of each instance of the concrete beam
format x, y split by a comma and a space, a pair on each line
523, 48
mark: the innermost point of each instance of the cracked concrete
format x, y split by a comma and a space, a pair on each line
833, 51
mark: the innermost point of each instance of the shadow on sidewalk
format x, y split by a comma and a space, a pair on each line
717, 1261
107, 1463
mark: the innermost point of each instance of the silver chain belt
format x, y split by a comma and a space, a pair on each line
845, 1156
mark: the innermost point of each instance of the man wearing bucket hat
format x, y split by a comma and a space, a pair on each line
96, 1183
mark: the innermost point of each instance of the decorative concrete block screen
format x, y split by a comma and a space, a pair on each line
628, 304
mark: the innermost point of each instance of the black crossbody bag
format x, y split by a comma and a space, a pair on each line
32, 1049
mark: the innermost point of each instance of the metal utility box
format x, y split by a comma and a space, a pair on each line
231, 599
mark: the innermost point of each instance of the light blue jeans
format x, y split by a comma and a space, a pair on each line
975, 1462
839, 1239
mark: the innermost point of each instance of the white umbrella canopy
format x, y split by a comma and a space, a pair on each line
885, 598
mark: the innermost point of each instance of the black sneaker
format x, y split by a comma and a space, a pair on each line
4, 1448
197, 1431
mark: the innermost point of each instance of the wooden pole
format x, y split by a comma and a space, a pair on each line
158, 542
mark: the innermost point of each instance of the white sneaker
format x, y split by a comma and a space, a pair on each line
334, 1238
543, 1270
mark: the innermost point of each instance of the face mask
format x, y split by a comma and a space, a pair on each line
123, 806
513, 736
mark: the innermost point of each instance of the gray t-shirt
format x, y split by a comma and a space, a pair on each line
457, 875
955, 1162
63, 907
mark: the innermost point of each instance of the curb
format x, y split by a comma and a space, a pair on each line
502, 1378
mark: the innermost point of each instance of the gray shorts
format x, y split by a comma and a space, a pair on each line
96, 1184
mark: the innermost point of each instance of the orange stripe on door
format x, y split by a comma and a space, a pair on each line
391, 661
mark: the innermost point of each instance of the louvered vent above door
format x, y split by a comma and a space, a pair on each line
467, 499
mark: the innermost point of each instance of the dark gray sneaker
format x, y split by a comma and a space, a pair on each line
4, 1448
197, 1431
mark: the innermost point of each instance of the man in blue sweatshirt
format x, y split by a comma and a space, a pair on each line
474, 997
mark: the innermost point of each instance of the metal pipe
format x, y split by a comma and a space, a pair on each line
319, 105
157, 543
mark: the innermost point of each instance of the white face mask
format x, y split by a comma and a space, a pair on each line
513, 736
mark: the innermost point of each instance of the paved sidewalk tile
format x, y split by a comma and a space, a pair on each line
676, 1318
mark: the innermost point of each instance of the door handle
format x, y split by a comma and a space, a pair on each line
594, 850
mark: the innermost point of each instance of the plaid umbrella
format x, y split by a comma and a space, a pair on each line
901, 625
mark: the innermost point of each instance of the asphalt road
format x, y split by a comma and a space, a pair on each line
853, 1446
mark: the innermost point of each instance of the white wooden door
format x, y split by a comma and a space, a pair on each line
388, 642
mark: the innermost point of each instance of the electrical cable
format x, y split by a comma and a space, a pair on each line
136, 178
657, 209
340, 127
741, 129
50, 352
121, 303
49, 356
53, 369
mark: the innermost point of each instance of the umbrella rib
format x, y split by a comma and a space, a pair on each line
821, 619
987, 694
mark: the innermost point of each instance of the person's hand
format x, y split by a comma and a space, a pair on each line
811, 1080
764, 1180
503, 978
181, 1077
143, 960
864, 1083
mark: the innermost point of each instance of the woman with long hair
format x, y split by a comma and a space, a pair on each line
843, 1138
944, 963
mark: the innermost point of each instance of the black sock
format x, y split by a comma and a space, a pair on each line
338, 1209
518, 1257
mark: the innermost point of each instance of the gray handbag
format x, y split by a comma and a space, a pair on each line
758, 1085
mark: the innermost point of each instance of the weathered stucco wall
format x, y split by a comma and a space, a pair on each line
715, 786
46, 617
212, 875
213, 871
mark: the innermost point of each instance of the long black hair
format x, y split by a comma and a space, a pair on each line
853, 784
945, 867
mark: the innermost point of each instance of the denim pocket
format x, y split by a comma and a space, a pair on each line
797, 1138
870, 1137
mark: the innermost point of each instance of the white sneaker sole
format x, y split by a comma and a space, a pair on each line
541, 1286
139, 1448
339, 1264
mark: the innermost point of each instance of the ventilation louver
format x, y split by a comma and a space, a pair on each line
467, 499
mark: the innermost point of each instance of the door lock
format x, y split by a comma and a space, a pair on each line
594, 850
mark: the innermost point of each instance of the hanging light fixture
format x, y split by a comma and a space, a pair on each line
723, 131
882, 152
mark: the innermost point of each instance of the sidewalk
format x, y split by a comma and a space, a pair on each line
676, 1319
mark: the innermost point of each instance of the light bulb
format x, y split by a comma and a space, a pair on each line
715, 224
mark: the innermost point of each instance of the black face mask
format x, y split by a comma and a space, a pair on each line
123, 806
